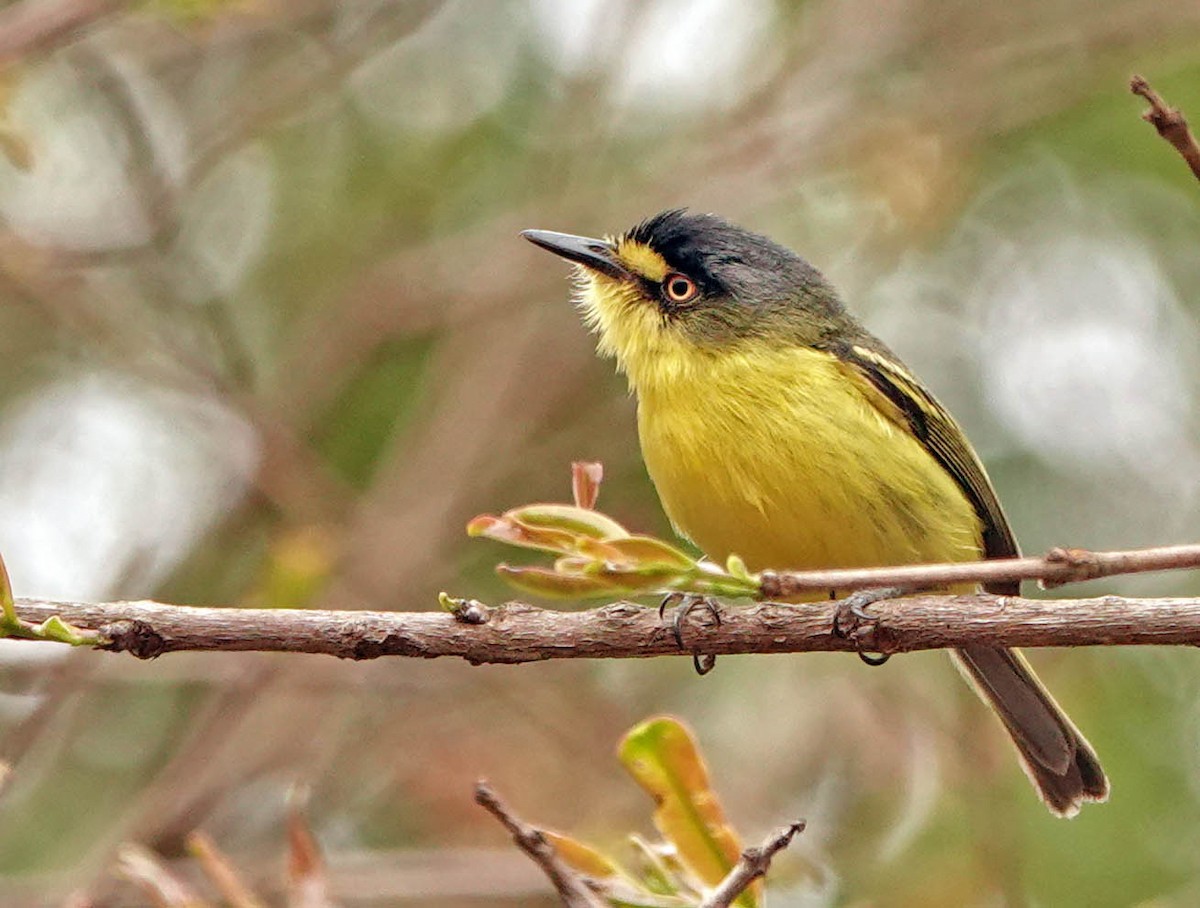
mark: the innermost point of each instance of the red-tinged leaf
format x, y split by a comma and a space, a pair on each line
308, 886
637, 577
545, 582
479, 526
573, 564
508, 528
586, 477
648, 550
580, 521
663, 757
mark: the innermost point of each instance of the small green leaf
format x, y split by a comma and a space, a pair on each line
54, 628
663, 757
582, 521
644, 577
736, 567
657, 873
546, 582
640, 549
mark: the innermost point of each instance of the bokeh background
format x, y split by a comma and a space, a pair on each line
268, 336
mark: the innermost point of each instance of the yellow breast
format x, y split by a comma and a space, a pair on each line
785, 459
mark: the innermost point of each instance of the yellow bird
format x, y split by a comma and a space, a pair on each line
777, 428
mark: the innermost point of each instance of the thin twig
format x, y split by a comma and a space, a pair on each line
221, 872
1169, 122
755, 862
1057, 567
570, 886
160, 886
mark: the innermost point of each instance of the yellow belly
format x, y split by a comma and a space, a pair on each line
789, 464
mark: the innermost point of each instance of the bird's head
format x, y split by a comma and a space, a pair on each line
679, 289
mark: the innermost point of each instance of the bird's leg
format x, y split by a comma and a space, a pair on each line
852, 611
685, 604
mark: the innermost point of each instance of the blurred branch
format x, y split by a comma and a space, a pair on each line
161, 887
220, 870
1170, 123
570, 886
308, 883
37, 26
754, 863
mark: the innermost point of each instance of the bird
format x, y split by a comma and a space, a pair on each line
777, 428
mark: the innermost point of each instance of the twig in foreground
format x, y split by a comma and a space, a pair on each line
1169, 122
755, 862
570, 886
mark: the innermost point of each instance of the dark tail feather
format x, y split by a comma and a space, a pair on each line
1056, 757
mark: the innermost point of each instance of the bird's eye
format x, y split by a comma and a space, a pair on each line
679, 288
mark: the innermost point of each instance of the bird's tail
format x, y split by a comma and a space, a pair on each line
1056, 757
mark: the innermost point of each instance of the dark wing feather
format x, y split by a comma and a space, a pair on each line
936, 429
1056, 757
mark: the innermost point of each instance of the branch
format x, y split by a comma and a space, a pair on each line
755, 862
1057, 567
570, 886
517, 632
1169, 122
36, 26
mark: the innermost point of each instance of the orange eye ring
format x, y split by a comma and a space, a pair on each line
679, 288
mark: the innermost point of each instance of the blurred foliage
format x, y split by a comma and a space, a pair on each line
306, 882
269, 335
698, 848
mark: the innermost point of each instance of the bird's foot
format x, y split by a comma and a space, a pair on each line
852, 613
684, 604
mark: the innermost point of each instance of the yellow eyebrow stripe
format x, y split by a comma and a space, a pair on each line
641, 259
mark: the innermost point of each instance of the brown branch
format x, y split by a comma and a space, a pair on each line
571, 887
37, 26
517, 632
1169, 122
1057, 567
755, 862
161, 887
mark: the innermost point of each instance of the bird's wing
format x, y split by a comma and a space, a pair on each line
941, 436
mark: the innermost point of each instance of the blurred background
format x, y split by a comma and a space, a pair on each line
268, 336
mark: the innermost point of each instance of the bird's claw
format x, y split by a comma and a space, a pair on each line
684, 604
852, 612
